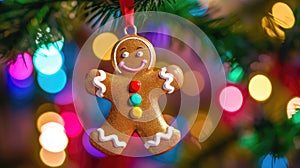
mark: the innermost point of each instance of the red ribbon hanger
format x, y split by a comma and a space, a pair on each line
127, 9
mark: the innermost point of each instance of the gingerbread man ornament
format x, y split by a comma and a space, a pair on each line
134, 91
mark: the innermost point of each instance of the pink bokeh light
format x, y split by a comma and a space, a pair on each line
72, 125
21, 68
231, 99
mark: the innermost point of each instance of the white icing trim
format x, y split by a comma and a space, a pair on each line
150, 47
111, 137
158, 136
169, 79
98, 83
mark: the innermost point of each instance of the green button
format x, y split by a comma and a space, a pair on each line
135, 99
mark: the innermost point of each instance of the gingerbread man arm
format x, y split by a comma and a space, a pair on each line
98, 82
170, 78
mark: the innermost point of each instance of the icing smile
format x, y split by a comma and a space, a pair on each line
122, 65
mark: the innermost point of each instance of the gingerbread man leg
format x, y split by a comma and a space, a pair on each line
157, 135
112, 137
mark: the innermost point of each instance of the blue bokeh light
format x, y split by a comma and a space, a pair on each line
52, 83
48, 60
270, 161
198, 11
20, 92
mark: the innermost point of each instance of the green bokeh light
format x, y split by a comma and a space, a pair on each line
248, 140
236, 74
296, 117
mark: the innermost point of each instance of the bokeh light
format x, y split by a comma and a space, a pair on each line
52, 83
236, 74
103, 44
25, 83
87, 145
270, 161
19, 90
292, 107
249, 140
49, 117
52, 126
260, 87
52, 159
72, 125
198, 11
48, 60
53, 137
296, 117
65, 96
283, 15
59, 44
231, 99
273, 30
21, 68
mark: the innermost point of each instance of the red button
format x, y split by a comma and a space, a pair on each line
134, 86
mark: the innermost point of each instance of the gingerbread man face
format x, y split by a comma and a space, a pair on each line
132, 54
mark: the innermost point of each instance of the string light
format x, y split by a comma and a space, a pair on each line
260, 87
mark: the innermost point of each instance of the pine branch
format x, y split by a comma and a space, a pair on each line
22, 20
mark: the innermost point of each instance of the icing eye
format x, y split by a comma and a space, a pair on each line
140, 54
125, 54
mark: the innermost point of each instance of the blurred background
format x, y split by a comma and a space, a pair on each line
259, 46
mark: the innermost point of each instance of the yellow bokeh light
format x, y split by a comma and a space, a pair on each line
260, 87
103, 44
49, 117
52, 159
272, 30
283, 15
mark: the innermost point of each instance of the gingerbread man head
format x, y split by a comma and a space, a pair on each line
133, 53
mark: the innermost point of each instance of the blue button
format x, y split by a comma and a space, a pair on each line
136, 99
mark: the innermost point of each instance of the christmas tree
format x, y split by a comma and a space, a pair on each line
44, 46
